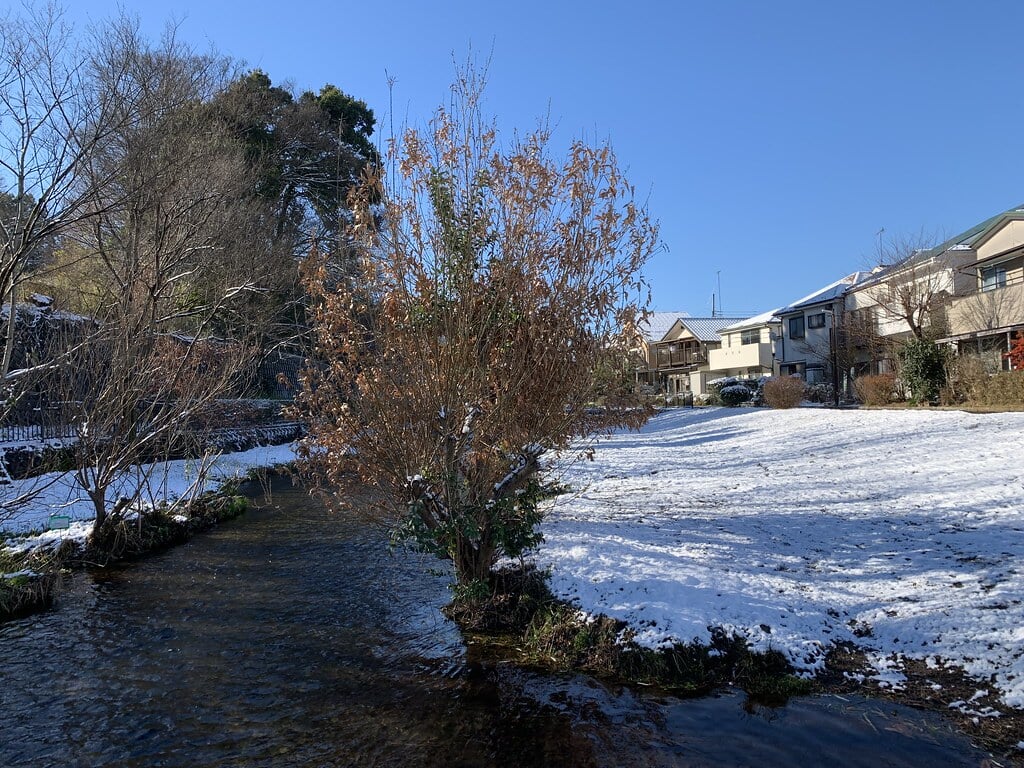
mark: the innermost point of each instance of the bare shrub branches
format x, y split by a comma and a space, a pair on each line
497, 289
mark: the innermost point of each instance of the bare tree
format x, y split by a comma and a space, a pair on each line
50, 125
495, 285
174, 240
914, 286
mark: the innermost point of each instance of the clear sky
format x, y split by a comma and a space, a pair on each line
773, 140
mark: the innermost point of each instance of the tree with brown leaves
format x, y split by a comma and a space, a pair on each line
497, 297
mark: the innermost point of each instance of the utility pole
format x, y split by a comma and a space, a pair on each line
718, 273
833, 337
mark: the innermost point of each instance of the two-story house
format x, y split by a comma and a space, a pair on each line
681, 357
967, 292
987, 306
652, 330
747, 350
808, 345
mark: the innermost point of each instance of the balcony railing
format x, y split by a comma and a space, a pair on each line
681, 358
988, 308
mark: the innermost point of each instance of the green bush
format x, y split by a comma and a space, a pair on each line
819, 393
735, 394
783, 392
875, 390
923, 369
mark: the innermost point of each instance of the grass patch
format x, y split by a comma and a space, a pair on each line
516, 614
159, 529
29, 581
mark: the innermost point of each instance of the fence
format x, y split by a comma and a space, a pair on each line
32, 420
29, 422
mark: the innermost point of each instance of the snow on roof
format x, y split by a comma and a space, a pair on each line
658, 324
828, 293
771, 316
707, 328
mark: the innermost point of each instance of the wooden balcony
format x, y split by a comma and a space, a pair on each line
689, 357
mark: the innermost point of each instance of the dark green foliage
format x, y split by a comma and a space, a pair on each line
308, 152
735, 394
923, 369
34, 588
513, 522
561, 635
159, 529
506, 603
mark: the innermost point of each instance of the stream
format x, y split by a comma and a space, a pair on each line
294, 637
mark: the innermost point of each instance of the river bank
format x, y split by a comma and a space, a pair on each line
41, 538
293, 636
812, 532
874, 552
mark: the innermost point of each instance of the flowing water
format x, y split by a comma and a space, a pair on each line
291, 637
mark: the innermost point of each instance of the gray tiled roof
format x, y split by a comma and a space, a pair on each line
658, 324
707, 328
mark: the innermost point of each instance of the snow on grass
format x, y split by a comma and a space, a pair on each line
901, 531
59, 494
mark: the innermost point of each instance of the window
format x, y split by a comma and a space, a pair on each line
796, 327
752, 336
815, 374
993, 277
816, 321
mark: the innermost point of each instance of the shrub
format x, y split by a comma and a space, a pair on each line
783, 392
1006, 388
875, 390
819, 393
735, 394
758, 395
923, 368
966, 380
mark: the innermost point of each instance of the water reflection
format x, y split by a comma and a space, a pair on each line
291, 637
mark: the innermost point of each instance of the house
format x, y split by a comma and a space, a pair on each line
808, 344
895, 303
987, 305
747, 350
652, 329
680, 358
967, 292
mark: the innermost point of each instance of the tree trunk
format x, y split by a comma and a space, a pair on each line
99, 504
473, 560
5, 365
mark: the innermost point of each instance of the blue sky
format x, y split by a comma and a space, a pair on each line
772, 139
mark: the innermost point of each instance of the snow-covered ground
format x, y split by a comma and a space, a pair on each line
59, 494
902, 531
